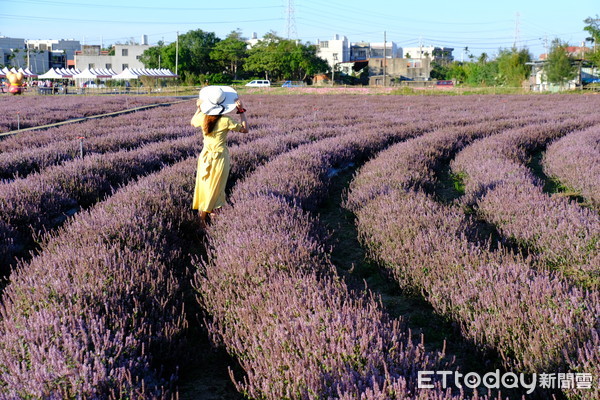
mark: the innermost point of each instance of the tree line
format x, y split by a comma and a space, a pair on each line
513, 66
203, 57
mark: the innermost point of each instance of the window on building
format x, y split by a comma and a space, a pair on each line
108, 66
137, 57
125, 66
43, 46
324, 45
91, 65
124, 52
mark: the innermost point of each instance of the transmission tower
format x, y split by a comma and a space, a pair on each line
291, 21
517, 22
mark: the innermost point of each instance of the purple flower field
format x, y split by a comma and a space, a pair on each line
108, 277
42, 110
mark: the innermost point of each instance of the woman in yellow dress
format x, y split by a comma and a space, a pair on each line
213, 162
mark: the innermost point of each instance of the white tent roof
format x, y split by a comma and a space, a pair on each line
135, 73
26, 72
93, 73
51, 74
59, 73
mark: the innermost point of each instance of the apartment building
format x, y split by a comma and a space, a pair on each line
125, 56
334, 51
59, 53
434, 53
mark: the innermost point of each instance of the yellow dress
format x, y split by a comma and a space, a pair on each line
213, 165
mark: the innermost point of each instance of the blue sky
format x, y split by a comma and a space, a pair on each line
482, 26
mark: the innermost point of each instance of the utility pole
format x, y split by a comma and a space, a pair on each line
333, 69
384, 59
177, 53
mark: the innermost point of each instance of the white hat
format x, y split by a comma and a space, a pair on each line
217, 100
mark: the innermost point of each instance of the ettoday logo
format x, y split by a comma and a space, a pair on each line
507, 380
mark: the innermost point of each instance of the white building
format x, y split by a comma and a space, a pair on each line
435, 53
334, 51
391, 50
253, 40
125, 56
37, 55
59, 53
10, 49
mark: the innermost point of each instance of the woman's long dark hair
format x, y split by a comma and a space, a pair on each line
209, 123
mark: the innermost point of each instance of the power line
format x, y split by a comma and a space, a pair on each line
150, 8
131, 21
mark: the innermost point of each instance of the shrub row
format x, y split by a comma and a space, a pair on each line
560, 233
532, 319
277, 303
89, 315
575, 162
125, 132
41, 110
42, 200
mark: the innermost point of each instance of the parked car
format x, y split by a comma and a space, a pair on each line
92, 84
291, 84
259, 83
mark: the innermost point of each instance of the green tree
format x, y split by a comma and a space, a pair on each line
481, 73
559, 68
439, 71
512, 66
593, 28
194, 52
279, 58
456, 71
152, 57
230, 53
194, 59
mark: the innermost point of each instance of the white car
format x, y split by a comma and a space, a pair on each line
93, 84
259, 83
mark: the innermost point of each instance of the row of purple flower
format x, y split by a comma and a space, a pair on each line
101, 307
575, 162
30, 111
536, 320
86, 316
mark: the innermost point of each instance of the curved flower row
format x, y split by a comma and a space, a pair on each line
42, 200
256, 286
124, 132
561, 234
89, 315
101, 307
575, 161
279, 306
534, 320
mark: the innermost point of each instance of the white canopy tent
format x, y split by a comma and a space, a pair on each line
59, 73
93, 74
136, 73
26, 72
